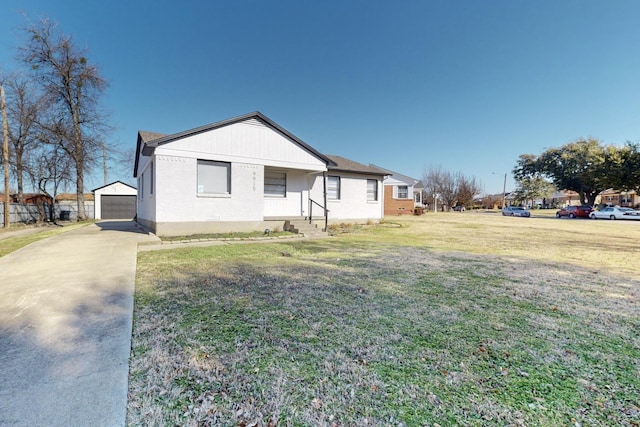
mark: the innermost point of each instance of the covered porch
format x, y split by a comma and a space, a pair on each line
287, 193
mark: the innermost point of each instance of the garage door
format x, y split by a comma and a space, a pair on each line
117, 207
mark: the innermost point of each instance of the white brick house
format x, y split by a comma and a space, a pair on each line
243, 174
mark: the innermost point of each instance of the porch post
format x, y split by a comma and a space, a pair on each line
326, 211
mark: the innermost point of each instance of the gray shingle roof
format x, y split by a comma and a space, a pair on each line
345, 165
150, 136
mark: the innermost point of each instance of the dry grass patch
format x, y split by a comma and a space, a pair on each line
389, 327
10, 241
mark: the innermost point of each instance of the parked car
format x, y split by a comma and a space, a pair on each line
515, 211
575, 212
611, 212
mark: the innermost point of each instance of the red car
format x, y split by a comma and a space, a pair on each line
575, 212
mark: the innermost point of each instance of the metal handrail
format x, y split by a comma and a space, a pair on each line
326, 212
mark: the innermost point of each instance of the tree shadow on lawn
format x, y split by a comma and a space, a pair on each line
374, 336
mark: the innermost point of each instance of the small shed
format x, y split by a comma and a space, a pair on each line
115, 201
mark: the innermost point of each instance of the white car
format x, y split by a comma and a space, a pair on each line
615, 213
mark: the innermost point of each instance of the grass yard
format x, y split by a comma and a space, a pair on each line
446, 319
17, 237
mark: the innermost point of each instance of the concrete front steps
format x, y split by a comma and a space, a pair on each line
302, 226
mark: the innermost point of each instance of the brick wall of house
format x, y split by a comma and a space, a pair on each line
396, 206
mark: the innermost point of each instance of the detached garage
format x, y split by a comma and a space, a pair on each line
115, 201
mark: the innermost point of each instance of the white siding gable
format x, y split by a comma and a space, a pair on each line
392, 180
248, 141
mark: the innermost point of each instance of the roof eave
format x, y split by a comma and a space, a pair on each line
372, 173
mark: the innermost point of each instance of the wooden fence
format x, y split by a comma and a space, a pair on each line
22, 213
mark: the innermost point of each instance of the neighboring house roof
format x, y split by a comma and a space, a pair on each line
416, 183
28, 198
151, 140
88, 197
342, 164
115, 182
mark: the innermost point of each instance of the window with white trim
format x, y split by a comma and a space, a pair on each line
403, 192
275, 184
372, 190
151, 178
214, 177
333, 187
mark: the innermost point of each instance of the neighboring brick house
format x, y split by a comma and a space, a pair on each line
28, 198
559, 199
625, 199
402, 194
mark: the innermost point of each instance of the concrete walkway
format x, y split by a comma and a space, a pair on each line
65, 327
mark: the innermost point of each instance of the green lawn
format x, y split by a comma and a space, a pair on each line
26, 235
445, 319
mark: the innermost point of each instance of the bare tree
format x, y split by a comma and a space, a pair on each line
467, 188
24, 108
5, 156
450, 188
72, 87
439, 184
118, 161
53, 172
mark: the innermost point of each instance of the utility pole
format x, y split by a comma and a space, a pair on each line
504, 192
104, 161
5, 156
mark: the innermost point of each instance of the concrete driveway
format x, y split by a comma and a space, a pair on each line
65, 327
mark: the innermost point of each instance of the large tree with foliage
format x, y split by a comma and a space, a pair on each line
625, 174
582, 166
73, 88
532, 188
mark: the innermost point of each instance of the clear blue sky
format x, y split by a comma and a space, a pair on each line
468, 85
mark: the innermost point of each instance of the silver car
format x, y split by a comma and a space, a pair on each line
515, 211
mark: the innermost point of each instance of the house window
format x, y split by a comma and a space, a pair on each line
403, 192
142, 186
151, 179
214, 177
333, 187
372, 190
275, 184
